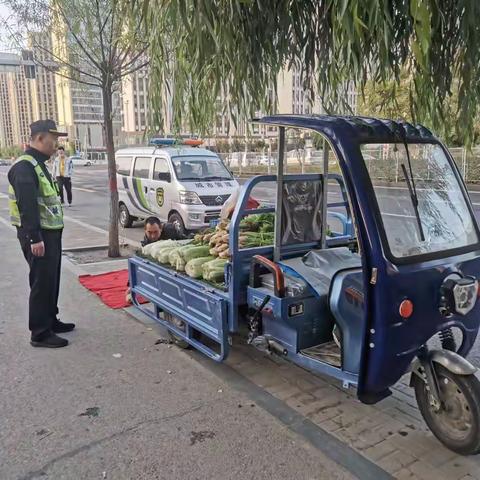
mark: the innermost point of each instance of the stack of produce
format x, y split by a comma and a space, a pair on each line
203, 237
218, 242
213, 271
256, 231
179, 257
157, 250
205, 257
194, 268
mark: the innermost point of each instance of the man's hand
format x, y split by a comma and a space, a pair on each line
38, 249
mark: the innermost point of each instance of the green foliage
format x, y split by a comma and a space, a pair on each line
10, 152
213, 47
392, 100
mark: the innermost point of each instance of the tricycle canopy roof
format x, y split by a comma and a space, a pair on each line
360, 129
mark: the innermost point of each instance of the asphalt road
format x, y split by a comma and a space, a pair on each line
91, 204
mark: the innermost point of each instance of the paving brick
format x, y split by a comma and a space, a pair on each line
438, 455
299, 401
353, 441
265, 379
353, 413
380, 450
405, 413
395, 461
414, 443
322, 391
405, 474
305, 384
325, 413
423, 471
285, 392
460, 467
330, 426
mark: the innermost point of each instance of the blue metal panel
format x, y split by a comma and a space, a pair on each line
202, 308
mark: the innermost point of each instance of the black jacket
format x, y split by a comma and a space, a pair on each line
24, 181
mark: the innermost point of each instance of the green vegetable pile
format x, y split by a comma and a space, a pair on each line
206, 255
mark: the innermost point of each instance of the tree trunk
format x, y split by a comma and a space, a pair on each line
113, 241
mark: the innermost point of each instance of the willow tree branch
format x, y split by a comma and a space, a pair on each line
80, 42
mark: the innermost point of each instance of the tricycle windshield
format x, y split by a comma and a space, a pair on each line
422, 205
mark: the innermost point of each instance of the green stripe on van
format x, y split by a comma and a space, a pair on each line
139, 193
133, 197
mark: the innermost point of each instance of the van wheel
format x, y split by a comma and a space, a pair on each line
126, 219
177, 221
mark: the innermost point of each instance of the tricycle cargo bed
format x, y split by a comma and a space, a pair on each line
201, 307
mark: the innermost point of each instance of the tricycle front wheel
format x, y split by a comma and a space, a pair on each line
456, 423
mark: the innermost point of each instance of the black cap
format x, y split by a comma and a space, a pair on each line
45, 126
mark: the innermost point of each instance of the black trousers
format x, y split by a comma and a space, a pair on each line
67, 183
44, 280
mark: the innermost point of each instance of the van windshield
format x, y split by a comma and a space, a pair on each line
421, 202
196, 168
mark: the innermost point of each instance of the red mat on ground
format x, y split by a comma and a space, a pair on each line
111, 287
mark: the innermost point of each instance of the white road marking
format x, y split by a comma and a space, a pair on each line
93, 228
84, 189
84, 224
3, 195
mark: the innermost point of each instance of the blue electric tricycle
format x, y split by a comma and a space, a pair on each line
391, 290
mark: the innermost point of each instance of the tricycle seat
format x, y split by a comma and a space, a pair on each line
319, 267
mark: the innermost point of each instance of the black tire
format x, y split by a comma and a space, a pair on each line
461, 409
177, 220
178, 341
125, 219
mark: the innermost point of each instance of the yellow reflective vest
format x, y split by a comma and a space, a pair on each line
49, 206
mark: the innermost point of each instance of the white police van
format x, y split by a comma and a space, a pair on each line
179, 183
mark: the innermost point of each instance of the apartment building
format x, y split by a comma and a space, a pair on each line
18, 108
80, 105
44, 85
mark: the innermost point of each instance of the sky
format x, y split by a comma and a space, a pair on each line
5, 46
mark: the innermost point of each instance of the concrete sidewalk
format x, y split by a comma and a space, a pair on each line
115, 405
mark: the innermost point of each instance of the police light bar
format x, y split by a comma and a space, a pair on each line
191, 142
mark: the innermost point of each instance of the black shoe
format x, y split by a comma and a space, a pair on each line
60, 327
50, 341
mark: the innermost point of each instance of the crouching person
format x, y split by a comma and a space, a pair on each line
156, 230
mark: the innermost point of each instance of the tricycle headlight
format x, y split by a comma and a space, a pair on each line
465, 294
190, 198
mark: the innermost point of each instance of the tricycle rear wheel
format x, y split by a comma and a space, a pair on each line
178, 341
457, 422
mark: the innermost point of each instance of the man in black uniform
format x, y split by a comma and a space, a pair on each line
36, 211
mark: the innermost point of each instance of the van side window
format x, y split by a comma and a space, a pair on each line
161, 170
142, 167
124, 165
